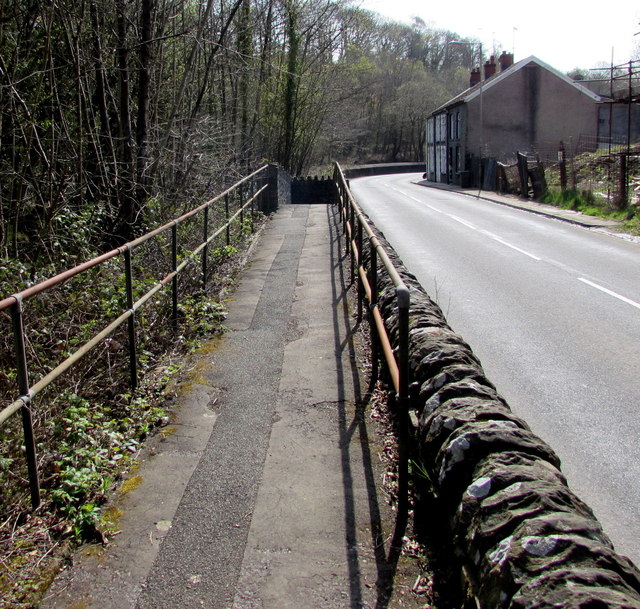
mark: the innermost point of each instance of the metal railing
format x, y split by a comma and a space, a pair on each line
15, 303
356, 226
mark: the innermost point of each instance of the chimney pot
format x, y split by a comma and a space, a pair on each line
506, 60
490, 67
474, 77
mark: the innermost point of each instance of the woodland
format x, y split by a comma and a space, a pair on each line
118, 113
118, 116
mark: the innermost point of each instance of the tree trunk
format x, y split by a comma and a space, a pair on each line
146, 9
291, 87
127, 205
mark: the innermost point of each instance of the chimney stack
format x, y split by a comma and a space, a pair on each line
506, 60
474, 77
490, 67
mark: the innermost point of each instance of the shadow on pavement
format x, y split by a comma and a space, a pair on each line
353, 431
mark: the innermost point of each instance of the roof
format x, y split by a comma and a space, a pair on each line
473, 92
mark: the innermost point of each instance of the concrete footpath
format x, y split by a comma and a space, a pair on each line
542, 209
263, 490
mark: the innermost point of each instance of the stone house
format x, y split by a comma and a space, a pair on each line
512, 110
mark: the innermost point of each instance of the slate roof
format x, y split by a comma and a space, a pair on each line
473, 92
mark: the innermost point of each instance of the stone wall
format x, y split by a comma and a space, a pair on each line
523, 538
279, 191
361, 171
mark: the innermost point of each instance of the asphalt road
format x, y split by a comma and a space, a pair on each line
553, 312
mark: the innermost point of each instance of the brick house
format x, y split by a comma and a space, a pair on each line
510, 110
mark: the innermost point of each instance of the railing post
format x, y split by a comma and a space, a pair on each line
347, 204
205, 249
174, 282
373, 283
23, 388
403, 299
131, 322
347, 229
344, 211
352, 238
252, 192
241, 195
226, 212
360, 266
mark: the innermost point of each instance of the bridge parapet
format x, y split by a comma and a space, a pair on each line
313, 190
279, 192
376, 169
522, 538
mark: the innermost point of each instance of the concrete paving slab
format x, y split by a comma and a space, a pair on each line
143, 511
263, 490
310, 542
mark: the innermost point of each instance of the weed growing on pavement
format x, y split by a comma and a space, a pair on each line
88, 430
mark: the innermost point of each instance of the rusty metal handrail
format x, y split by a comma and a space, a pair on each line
355, 223
76, 270
349, 205
15, 303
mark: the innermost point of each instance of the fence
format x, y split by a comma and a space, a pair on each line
603, 169
246, 193
601, 166
364, 270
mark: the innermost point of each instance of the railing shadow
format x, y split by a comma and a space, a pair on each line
353, 429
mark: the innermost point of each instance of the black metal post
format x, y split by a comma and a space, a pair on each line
252, 192
403, 399
205, 249
373, 282
23, 388
360, 266
131, 322
346, 230
226, 212
174, 282
241, 195
345, 211
352, 239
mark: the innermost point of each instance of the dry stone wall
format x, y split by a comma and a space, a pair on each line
525, 540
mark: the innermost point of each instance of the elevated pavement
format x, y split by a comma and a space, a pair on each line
263, 492
543, 209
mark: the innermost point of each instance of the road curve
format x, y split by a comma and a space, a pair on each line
553, 312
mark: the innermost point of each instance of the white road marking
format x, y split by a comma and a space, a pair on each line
463, 222
513, 247
467, 224
494, 237
633, 303
421, 201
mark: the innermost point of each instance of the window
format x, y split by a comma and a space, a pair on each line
454, 125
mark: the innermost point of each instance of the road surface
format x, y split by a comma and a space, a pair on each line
553, 312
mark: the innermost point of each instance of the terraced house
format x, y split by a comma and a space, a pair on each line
519, 107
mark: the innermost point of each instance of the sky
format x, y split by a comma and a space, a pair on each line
566, 34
